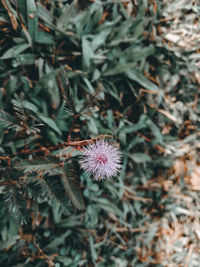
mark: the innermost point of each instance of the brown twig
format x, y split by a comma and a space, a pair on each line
42, 255
76, 144
11, 182
12, 17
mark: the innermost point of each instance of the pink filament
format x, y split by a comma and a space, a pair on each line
101, 159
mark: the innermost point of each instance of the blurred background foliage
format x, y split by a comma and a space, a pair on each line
144, 55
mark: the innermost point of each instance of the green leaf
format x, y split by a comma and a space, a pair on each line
92, 249
39, 164
58, 241
142, 123
92, 125
52, 136
100, 38
139, 157
67, 15
55, 191
30, 106
18, 104
137, 76
120, 68
9, 243
87, 53
134, 142
50, 123
44, 14
23, 59
108, 206
22, 8
32, 18
8, 121
156, 132
44, 38
65, 88
70, 180
72, 221
53, 91
16, 203
15, 50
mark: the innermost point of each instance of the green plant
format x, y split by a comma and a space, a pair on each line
72, 71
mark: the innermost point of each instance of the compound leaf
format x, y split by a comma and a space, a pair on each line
71, 184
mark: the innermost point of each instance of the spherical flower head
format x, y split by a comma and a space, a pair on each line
101, 159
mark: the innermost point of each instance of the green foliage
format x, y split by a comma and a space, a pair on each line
73, 70
16, 203
36, 165
70, 183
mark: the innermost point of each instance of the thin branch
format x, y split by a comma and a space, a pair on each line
11, 182
77, 144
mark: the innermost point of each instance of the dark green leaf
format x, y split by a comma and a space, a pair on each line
39, 164
15, 50
71, 182
141, 79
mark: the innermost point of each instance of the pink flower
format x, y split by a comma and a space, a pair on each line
101, 159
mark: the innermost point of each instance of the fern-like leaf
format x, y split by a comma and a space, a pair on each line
91, 101
16, 203
71, 184
65, 89
50, 188
8, 121
18, 103
57, 193
39, 164
34, 187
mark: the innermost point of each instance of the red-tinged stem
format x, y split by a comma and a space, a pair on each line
65, 144
76, 144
